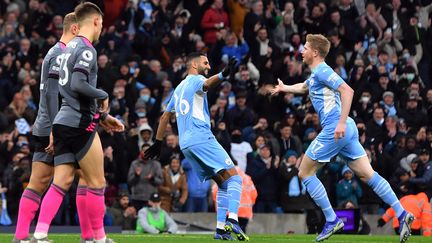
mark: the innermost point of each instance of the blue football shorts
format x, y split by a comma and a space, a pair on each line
208, 158
324, 146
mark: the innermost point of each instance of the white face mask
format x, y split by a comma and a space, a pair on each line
365, 99
380, 121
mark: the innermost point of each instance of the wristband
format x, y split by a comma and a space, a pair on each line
220, 76
103, 116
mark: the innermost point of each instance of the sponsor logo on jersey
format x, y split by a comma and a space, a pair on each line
87, 55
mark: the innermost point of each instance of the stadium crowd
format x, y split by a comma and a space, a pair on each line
382, 49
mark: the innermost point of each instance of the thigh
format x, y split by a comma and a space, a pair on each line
41, 170
362, 168
92, 164
210, 157
64, 175
39, 155
324, 147
353, 149
308, 167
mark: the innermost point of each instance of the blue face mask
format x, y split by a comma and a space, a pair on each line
145, 98
141, 114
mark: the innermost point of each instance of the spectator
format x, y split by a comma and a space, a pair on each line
214, 19
240, 149
348, 189
234, 48
169, 149
288, 142
153, 219
293, 192
240, 116
198, 191
122, 214
174, 190
144, 177
424, 181
263, 169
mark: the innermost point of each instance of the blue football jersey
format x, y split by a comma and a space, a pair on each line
189, 102
323, 84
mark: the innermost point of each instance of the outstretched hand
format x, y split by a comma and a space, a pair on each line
230, 67
277, 88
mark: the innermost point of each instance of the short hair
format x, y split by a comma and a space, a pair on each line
69, 20
320, 43
193, 56
86, 9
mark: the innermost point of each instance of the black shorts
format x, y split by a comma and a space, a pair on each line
39, 155
71, 144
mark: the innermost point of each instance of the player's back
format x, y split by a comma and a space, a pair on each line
323, 84
48, 87
77, 110
191, 107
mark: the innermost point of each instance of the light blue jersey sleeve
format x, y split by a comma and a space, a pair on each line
329, 78
197, 83
171, 105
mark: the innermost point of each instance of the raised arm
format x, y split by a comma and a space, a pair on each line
299, 88
215, 80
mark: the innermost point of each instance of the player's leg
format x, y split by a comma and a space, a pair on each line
81, 203
30, 200
63, 178
322, 149
362, 168
93, 169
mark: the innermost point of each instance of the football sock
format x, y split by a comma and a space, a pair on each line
96, 209
84, 220
319, 195
29, 204
234, 184
49, 207
222, 206
382, 188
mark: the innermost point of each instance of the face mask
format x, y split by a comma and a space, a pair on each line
236, 138
380, 121
410, 76
365, 99
141, 114
154, 209
406, 55
145, 98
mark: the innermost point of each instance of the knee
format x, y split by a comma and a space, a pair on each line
64, 182
96, 182
39, 183
302, 174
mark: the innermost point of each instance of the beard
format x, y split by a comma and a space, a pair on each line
202, 71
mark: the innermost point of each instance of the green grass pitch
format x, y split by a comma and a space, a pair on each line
120, 238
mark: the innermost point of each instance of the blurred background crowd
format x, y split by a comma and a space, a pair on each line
382, 49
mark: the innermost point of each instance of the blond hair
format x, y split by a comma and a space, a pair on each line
319, 43
69, 20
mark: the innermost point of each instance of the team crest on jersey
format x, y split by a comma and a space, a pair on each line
228, 161
87, 55
311, 81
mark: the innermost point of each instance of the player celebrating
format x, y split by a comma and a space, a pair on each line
198, 144
331, 97
74, 127
42, 165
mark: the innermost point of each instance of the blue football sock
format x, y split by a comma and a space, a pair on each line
382, 188
234, 184
222, 206
318, 193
